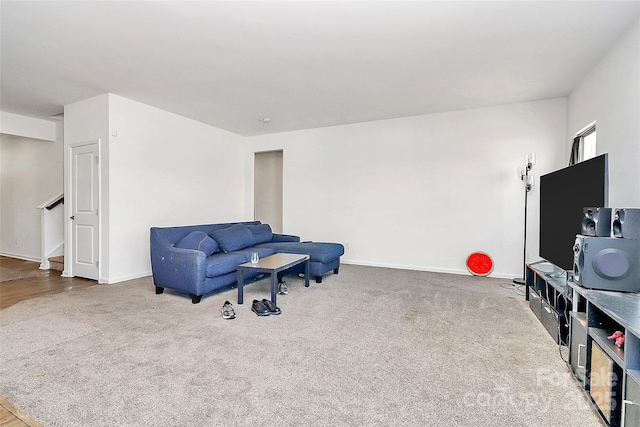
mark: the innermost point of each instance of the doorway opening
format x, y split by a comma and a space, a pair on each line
267, 189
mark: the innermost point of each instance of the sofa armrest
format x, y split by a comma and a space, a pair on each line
176, 268
284, 238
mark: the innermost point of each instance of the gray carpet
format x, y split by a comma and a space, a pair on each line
370, 346
8, 274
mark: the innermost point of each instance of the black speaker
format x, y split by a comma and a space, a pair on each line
607, 263
596, 222
626, 223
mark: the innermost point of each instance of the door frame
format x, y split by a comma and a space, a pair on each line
68, 245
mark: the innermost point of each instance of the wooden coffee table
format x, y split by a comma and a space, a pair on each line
273, 265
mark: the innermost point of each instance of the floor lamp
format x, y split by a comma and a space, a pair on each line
528, 181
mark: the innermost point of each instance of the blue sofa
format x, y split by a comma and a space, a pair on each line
198, 259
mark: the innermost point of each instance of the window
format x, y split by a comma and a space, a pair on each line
589, 144
584, 145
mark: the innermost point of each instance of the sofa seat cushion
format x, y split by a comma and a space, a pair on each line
221, 263
234, 238
318, 251
199, 241
262, 252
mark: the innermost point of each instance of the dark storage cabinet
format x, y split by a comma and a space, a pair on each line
582, 319
603, 383
546, 290
534, 303
631, 402
549, 318
578, 345
612, 372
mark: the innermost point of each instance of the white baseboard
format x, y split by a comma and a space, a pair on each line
105, 281
18, 256
494, 274
111, 281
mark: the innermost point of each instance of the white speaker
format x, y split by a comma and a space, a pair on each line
607, 263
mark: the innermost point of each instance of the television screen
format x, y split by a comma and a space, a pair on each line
563, 196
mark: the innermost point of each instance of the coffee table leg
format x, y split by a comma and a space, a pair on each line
240, 286
306, 274
274, 285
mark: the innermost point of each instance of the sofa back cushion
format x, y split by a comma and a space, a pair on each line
200, 241
169, 236
262, 233
234, 238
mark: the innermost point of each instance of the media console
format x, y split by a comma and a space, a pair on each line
582, 319
549, 299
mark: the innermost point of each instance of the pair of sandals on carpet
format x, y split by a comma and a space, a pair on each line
261, 308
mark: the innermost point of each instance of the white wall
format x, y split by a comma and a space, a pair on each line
157, 169
165, 170
31, 172
420, 192
610, 95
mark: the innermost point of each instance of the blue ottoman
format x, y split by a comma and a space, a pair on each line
324, 256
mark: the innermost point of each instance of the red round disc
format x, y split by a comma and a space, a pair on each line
479, 264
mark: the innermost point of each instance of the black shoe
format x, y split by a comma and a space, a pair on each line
273, 309
259, 308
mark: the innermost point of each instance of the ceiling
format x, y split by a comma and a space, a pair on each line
303, 64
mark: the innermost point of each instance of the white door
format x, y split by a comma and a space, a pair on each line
84, 211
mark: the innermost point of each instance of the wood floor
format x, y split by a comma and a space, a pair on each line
10, 416
45, 282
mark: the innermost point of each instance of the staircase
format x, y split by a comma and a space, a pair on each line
52, 233
56, 263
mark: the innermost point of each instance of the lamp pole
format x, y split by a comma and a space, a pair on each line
528, 180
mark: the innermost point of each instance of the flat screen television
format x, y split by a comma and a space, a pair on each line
563, 196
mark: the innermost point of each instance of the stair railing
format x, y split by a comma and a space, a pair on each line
51, 229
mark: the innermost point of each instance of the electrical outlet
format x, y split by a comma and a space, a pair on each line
16, 240
346, 246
